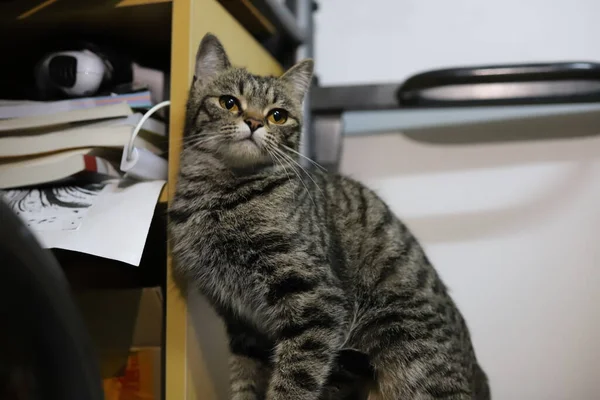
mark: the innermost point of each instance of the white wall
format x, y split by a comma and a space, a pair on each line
387, 40
513, 228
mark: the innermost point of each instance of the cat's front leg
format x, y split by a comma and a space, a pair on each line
309, 335
248, 377
249, 366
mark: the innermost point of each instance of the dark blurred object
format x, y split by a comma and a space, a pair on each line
572, 82
45, 352
501, 85
351, 378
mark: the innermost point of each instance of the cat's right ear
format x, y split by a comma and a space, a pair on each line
299, 78
211, 59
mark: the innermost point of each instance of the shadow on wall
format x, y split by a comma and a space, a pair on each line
476, 145
208, 351
485, 146
503, 221
524, 129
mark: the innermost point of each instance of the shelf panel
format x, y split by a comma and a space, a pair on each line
250, 17
189, 374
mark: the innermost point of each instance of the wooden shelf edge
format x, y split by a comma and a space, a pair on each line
129, 3
164, 194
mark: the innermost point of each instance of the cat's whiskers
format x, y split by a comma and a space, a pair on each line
301, 167
195, 139
277, 160
270, 145
271, 149
299, 175
316, 164
286, 158
199, 142
185, 138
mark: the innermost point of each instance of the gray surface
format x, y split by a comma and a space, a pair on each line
328, 141
371, 122
286, 20
361, 97
304, 18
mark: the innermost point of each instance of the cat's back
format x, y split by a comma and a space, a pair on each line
367, 228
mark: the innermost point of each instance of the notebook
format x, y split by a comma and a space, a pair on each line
27, 108
113, 133
93, 164
65, 117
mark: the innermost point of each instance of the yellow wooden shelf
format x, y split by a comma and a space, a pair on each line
190, 356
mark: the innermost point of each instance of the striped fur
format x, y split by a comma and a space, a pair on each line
308, 270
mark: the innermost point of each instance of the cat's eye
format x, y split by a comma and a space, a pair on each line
229, 103
277, 116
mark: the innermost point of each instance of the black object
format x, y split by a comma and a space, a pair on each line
518, 84
351, 377
45, 352
63, 70
339, 99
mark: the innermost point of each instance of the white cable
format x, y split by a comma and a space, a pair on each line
143, 164
141, 123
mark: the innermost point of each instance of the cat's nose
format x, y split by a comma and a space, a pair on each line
253, 124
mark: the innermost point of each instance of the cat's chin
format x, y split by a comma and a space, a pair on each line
244, 154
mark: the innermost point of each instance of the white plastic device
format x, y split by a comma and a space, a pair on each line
142, 164
89, 73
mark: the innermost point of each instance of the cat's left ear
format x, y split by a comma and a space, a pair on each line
299, 77
211, 59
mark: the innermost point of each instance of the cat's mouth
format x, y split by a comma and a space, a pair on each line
246, 149
250, 140
249, 143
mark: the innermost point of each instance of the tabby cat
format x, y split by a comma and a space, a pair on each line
305, 268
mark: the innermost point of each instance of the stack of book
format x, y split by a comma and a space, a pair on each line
72, 140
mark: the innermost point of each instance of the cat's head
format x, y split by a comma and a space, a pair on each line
243, 119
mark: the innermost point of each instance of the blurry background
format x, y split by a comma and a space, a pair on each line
512, 227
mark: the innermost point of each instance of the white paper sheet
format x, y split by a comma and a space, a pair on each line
109, 219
